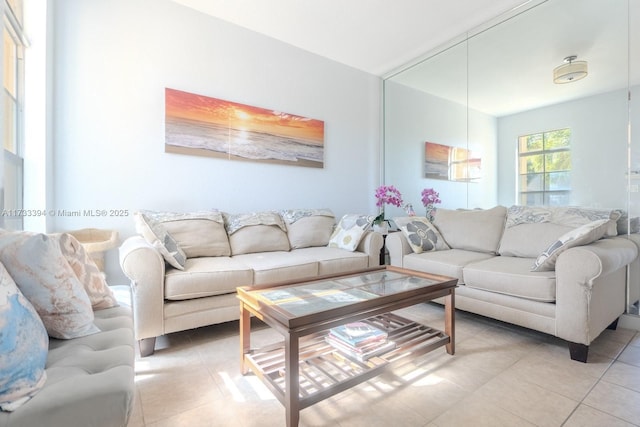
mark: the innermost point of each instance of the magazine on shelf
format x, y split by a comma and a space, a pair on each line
361, 353
357, 334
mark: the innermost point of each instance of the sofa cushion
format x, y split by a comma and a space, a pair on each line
308, 227
530, 240
335, 260
199, 233
575, 216
44, 276
90, 380
86, 270
421, 234
23, 346
274, 267
583, 235
206, 276
155, 233
256, 232
511, 276
473, 230
349, 231
446, 263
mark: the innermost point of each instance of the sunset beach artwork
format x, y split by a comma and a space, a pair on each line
212, 127
451, 163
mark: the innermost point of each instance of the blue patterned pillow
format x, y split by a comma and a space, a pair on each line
23, 346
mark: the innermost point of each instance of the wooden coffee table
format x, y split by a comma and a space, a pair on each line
304, 369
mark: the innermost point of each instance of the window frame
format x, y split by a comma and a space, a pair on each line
543, 196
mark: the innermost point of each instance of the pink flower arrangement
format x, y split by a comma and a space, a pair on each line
430, 197
388, 195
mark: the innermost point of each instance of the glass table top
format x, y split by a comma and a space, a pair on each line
322, 295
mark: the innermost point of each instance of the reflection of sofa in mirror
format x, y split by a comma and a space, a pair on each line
576, 291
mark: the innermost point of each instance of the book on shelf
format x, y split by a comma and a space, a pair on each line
357, 334
361, 353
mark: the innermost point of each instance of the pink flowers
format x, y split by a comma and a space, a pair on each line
430, 197
388, 195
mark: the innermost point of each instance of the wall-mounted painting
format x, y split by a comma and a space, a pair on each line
204, 126
451, 163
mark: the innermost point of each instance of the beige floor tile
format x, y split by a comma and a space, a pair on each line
531, 402
631, 355
625, 375
477, 412
586, 416
615, 400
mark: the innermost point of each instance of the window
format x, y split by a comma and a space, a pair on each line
13, 79
544, 165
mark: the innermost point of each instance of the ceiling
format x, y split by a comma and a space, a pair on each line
375, 36
509, 66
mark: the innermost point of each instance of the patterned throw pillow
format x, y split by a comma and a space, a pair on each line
23, 346
86, 270
155, 233
44, 276
349, 231
421, 234
582, 235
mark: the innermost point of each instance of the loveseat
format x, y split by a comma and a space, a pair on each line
561, 271
185, 267
66, 338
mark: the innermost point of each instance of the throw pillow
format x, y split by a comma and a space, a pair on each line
86, 270
582, 235
44, 276
421, 234
256, 232
155, 233
308, 227
349, 231
23, 346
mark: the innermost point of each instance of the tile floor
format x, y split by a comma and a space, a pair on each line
501, 375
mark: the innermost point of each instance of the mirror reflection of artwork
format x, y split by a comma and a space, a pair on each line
212, 127
451, 163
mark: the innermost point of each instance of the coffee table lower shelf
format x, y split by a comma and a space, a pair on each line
325, 371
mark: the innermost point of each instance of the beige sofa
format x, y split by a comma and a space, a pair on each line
579, 283
184, 268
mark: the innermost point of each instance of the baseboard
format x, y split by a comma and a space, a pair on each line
629, 321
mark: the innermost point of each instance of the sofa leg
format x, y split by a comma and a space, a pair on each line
147, 346
614, 325
578, 352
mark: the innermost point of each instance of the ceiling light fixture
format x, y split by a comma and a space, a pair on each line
570, 71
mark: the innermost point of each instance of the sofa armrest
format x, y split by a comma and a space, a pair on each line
145, 266
590, 287
398, 246
371, 244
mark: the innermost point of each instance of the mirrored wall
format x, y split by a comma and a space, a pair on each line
486, 91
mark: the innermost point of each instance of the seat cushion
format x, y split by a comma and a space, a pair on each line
335, 260
206, 276
274, 267
511, 276
90, 380
447, 263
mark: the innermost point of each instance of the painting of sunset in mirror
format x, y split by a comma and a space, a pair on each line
205, 126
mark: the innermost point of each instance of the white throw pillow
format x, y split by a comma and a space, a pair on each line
421, 234
23, 346
349, 231
44, 276
582, 235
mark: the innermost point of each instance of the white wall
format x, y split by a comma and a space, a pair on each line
598, 148
412, 118
113, 59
